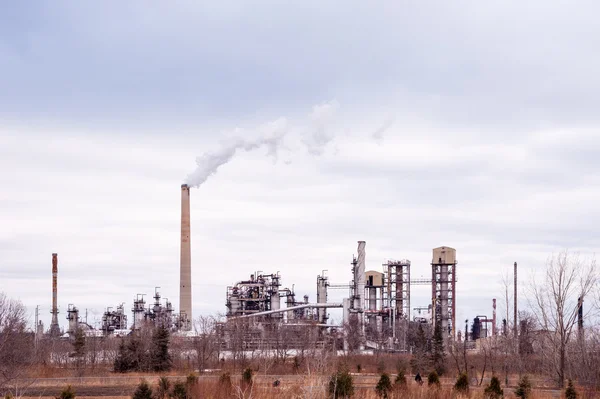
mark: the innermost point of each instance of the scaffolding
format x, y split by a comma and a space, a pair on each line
443, 289
398, 287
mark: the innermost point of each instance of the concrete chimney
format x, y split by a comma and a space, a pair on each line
185, 269
360, 277
54, 327
494, 317
515, 327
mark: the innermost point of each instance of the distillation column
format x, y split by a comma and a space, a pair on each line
322, 283
185, 270
275, 300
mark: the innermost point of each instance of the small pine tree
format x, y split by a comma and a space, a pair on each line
191, 380
493, 390
67, 393
384, 386
570, 392
462, 384
400, 366
179, 390
225, 386
120, 364
433, 380
419, 360
160, 357
400, 381
247, 377
164, 385
523, 390
438, 356
296, 364
381, 367
143, 391
79, 343
134, 354
341, 385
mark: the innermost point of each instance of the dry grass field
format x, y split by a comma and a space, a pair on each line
291, 386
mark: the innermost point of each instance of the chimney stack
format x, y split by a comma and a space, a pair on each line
493, 316
185, 270
515, 326
54, 327
359, 277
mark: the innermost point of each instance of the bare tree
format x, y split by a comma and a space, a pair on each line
206, 343
353, 332
489, 349
509, 346
455, 350
586, 366
236, 331
554, 302
16, 344
279, 336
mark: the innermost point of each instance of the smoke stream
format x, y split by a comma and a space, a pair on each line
315, 134
320, 118
209, 163
378, 133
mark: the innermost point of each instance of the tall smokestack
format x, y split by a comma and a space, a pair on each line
515, 326
185, 270
360, 286
360, 276
54, 327
493, 316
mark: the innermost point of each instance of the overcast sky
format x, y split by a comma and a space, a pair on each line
410, 126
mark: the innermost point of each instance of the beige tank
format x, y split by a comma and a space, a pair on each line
374, 278
444, 256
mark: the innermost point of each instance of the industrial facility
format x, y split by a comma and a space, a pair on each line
376, 312
377, 307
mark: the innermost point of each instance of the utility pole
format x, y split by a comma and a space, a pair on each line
515, 326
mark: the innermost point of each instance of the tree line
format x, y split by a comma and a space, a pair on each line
552, 340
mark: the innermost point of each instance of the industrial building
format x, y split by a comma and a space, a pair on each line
376, 311
377, 305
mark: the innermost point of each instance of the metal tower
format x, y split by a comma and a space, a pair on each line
443, 289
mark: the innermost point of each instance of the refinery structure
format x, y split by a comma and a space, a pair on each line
376, 312
377, 309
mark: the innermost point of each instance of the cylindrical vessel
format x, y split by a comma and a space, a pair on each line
322, 298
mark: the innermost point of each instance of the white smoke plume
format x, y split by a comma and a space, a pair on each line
378, 133
320, 133
315, 134
208, 163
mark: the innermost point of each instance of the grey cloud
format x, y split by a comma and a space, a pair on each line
468, 68
101, 122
